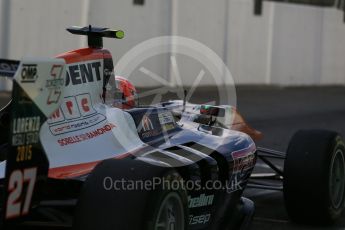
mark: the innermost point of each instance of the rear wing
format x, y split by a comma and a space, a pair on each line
8, 67
36, 94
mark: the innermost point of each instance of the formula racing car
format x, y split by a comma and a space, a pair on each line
69, 159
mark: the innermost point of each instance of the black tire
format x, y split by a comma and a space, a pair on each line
100, 208
173, 191
309, 196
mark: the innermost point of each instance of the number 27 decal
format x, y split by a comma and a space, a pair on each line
16, 205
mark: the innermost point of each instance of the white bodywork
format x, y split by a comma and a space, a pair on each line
83, 129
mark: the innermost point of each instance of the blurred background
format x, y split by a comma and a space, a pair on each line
287, 58
291, 42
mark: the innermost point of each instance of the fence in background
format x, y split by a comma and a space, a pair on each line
289, 44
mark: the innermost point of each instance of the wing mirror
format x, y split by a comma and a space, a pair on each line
212, 111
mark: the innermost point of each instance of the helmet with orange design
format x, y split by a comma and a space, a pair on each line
125, 95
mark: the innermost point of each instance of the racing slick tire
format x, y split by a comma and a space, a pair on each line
168, 206
101, 205
314, 177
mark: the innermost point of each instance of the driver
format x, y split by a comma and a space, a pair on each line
125, 95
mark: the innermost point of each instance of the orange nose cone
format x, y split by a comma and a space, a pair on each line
239, 124
245, 128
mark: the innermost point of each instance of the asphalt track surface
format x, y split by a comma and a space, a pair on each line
278, 113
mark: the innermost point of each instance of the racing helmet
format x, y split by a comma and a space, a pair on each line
125, 95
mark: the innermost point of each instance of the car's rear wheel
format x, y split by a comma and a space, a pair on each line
170, 213
314, 177
168, 205
104, 204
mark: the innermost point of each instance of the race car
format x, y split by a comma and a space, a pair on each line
70, 159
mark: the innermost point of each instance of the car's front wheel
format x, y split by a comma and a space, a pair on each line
314, 177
